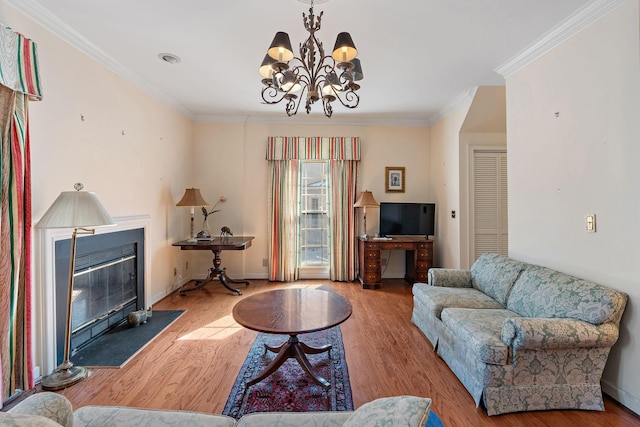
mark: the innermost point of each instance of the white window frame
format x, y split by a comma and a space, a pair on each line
320, 206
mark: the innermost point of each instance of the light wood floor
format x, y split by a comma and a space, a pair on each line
193, 364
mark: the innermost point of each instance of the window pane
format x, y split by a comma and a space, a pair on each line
314, 249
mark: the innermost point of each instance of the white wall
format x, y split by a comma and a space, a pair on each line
585, 161
484, 128
93, 127
230, 161
445, 183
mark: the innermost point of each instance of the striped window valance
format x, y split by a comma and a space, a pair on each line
19, 63
313, 148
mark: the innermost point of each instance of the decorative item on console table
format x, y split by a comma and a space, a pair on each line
418, 259
205, 233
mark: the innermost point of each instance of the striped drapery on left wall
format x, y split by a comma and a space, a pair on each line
19, 83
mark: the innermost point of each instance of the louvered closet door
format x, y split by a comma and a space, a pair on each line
490, 203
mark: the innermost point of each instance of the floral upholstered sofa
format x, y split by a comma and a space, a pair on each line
520, 337
49, 409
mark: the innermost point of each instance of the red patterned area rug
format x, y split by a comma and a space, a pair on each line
290, 389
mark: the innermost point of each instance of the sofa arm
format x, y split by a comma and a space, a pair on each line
450, 277
47, 404
531, 333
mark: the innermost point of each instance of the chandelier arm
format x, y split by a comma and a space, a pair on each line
291, 107
348, 98
301, 71
325, 68
271, 95
294, 101
326, 106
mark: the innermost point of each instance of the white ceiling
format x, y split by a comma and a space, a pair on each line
418, 56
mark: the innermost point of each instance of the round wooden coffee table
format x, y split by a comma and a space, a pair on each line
292, 312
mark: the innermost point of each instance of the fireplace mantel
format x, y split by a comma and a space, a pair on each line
44, 311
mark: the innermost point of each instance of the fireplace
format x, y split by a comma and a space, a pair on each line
99, 298
108, 285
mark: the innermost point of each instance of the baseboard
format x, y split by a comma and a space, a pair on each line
627, 400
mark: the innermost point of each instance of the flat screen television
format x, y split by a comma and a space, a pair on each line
407, 219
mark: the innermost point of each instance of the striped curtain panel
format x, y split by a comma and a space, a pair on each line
343, 154
283, 220
19, 83
342, 225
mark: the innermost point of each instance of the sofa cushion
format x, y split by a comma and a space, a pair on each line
120, 416
435, 299
294, 419
480, 331
397, 411
495, 274
542, 292
449, 277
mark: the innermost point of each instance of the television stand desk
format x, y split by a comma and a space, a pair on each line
418, 258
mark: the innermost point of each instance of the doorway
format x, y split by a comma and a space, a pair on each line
489, 203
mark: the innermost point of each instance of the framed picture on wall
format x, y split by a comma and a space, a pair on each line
394, 179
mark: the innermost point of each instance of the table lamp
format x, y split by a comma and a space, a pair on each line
72, 209
366, 200
192, 198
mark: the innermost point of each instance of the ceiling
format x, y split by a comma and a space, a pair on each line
418, 56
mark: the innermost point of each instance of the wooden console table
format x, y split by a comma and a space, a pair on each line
217, 245
419, 259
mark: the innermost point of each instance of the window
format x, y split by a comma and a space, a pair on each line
314, 232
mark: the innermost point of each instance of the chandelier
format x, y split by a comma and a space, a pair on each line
312, 76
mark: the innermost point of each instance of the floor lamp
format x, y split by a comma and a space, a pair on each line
72, 209
192, 198
366, 200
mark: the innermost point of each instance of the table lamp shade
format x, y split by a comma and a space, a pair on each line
192, 197
75, 209
366, 200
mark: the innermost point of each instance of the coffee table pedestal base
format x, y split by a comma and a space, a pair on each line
295, 349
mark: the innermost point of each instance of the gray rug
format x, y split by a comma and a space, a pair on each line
115, 348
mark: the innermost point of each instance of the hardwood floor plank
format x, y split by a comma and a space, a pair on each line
193, 364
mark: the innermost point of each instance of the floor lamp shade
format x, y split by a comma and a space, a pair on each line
72, 209
75, 209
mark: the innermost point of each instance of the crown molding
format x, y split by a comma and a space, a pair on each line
584, 17
463, 98
48, 20
315, 120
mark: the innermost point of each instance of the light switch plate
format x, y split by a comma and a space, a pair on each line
591, 223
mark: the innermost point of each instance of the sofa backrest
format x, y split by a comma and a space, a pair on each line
543, 292
495, 274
